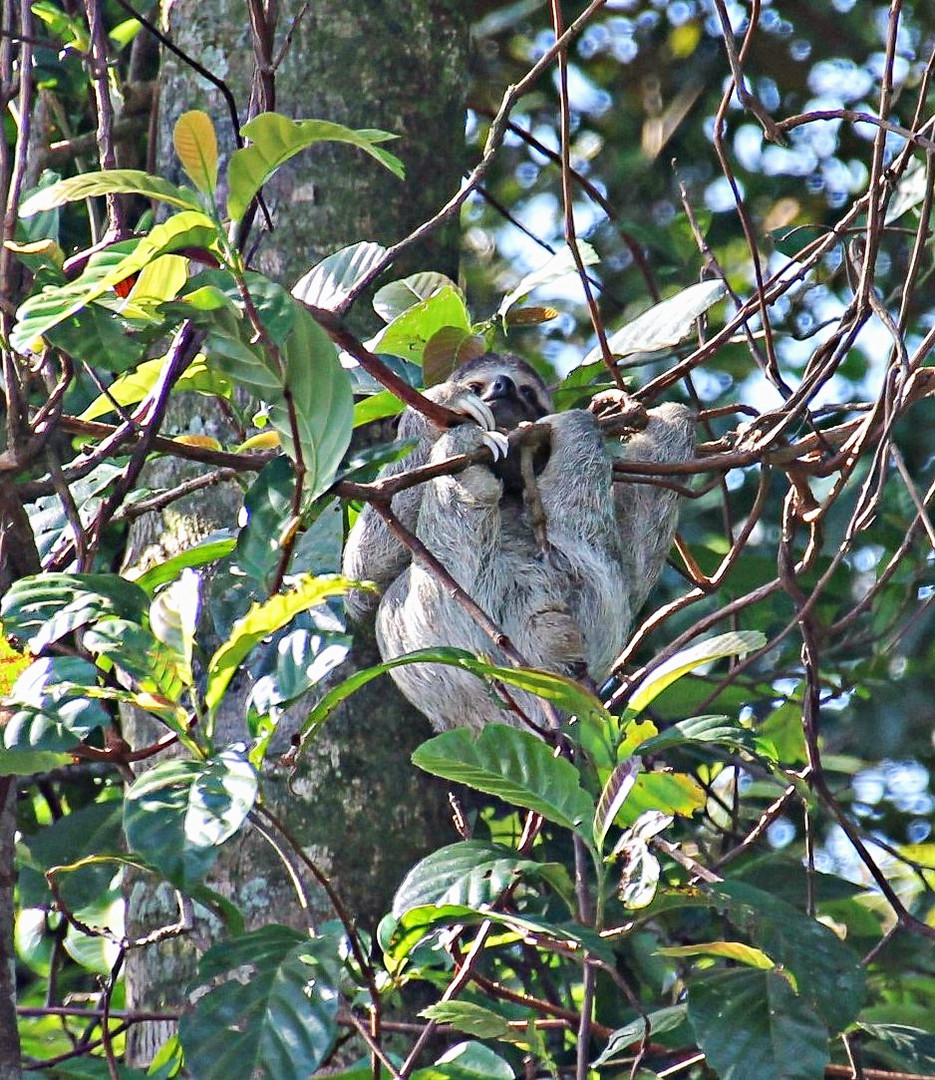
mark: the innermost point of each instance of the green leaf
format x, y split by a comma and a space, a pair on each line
664, 325
399, 296
735, 643
330, 282
177, 813
222, 795
50, 707
561, 691
85, 831
618, 787
320, 392
467, 1061
173, 617
726, 950
280, 1023
46, 310
110, 182
268, 506
43, 608
134, 386
913, 1047
752, 1023
275, 139
515, 766
558, 266
471, 873
209, 550
376, 407
197, 147
406, 336
624, 1038
475, 1020
261, 621
155, 668
701, 729
417, 922
827, 973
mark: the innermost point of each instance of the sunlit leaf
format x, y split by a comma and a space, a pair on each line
664, 325
515, 766
734, 643
330, 282
262, 620
473, 873
275, 139
110, 182
197, 147
398, 296
558, 266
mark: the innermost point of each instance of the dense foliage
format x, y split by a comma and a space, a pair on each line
725, 865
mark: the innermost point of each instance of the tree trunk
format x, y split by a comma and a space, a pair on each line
358, 806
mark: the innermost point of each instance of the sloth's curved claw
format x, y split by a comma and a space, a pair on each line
471, 406
497, 443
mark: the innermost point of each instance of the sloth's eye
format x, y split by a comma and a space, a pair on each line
528, 393
475, 387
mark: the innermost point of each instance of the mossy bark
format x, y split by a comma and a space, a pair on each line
358, 806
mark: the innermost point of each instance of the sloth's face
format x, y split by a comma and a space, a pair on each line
511, 388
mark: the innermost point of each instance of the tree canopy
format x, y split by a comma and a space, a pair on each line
725, 865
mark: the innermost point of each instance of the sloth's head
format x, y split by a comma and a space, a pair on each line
513, 389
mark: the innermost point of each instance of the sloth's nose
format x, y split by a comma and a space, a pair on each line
502, 387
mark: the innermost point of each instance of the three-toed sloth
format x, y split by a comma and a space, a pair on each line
565, 600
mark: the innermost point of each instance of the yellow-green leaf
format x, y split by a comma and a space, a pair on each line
729, 950
261, 621
197, 147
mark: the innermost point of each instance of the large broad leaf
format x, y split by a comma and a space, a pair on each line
111, 182
275, 139
173, 617
827, 973
752, 1024
303, 376
155, 668
561, 691
176, 813
406, 336
735, 643
472, 873
399, 296
49, 709
320, 393
558, 266
40, 313
467, 1061
135, 385
277, 1024
88, 830
330, 282
261, 621
43, 608
663, 325
515, 766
